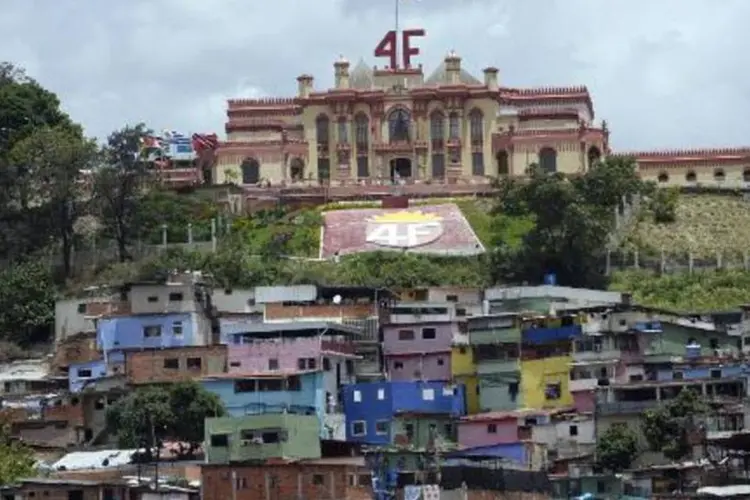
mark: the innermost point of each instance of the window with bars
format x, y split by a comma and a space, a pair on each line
454, 127
476, 126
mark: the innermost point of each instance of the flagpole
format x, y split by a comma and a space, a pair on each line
396, 45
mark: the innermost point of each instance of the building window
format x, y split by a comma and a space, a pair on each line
362, 132
440, 362
177, 328
82, 308
343, 132
273, 364
220, 440
428, 394
381, 394
82, 373
690, 176
438, 166
318, 479
491, 428
194, 363
326, 364
573, 430
715, 373
171, 364
437, 129
399, 125
250, 168
548, 160
719, 175
477, 164
357, 396
175, 297
476, 127
503, 163
294, 383
322, 125
324, 169
270, 385
429, 333
406, 334
349, 367
398, 365
152, 331
454, 127
241, 386
235, 364
663, 177
359, 428
363, 166
553, 391
152, 299
382, 427
451, 298
677, 375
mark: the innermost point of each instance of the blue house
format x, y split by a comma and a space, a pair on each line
376, 401
80, 374
149, 331
302, 392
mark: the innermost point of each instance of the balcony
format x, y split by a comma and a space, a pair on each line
337, 346
626, 407
585, 384
490, 366
594, 356
495, 336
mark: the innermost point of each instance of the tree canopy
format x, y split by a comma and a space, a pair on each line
616, 448
669, 427
149, 416
16, 461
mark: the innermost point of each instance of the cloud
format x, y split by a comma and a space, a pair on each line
664, 74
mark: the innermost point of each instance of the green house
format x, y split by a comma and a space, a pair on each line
260, 437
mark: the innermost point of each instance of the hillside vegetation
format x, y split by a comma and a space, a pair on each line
705, 224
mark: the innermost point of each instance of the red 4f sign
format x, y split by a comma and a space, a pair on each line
388, 47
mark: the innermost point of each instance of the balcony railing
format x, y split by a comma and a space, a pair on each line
626, 407
337, 346
602, 355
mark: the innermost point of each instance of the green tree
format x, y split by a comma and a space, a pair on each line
27, 302
667, 428
53, 161
162, 207
663, 204
119, 185
617, 448
572, 221
149, 416
16, 461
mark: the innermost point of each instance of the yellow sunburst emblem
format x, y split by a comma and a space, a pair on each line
405, 217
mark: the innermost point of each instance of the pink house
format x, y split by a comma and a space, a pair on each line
419, 351
501, 427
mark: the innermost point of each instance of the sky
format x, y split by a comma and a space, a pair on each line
664, 74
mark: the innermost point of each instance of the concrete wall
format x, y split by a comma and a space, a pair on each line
488, 432
538, 374
174, 330
419, 367
442, 341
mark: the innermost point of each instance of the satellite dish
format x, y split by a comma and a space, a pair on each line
337, 299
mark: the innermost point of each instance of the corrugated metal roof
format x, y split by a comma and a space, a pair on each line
296, 326
583, 295
33, 369
297, 293
103, 459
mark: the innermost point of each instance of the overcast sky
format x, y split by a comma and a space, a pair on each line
663, 73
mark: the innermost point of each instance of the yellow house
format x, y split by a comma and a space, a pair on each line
464, 371
544, 382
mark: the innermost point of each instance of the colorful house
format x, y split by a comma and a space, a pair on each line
261, 437
495, 342
546, 360
370, 408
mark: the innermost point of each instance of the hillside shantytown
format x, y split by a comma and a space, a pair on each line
187, 383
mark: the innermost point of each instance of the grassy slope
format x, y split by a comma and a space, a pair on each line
706, 224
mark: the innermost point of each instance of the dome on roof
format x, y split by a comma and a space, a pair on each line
361, 76
440, 75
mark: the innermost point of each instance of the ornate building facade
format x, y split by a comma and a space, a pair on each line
396, 126
380, 126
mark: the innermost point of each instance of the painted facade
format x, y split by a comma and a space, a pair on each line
464, 372
545, 382
371, 407
158, 366
261, 437
495, 342
152, 331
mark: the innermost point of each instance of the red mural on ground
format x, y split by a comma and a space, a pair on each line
436, 229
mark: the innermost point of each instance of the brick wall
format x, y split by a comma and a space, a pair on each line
77, 349
151, 366
354, 311
61, 491
283, 482
71, 413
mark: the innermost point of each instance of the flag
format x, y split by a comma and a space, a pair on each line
202, 142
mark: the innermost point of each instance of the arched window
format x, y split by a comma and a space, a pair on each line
454, 128
476, 127
594, 155
503, 165
663, 177
343, 131
399, 125
322, 130
690, 176
719, 175
250, 171
362, 131
437, 126
548, 160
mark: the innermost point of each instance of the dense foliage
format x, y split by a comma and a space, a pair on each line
705, 291
150, 416
616, 448
668, 428
16, 461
